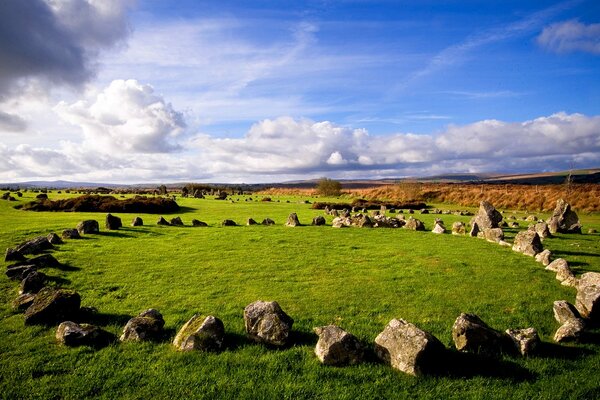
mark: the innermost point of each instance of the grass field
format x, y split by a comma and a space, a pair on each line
356, 278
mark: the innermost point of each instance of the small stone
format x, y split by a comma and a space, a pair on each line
33, 282
176, 221
439, 229
587, 300
266, 322
319, 220
162, 221
52, 306
268, 222
53, 238
337, 347
112, 222
23, 301
292, 220
471, 334
205, 334
196, 222
148, 325
525, 340
564, 311
251, 221
88, 226
493, 235
228, 222
71, 234
458, 228
570, 331
73, 334
137, 221
543, 257
528, 243
35, 246
414, 224
13, 255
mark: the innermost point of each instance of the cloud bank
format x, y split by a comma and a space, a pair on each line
571, 36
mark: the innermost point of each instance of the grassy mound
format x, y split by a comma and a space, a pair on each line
97, 203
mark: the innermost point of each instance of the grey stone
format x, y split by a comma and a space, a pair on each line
493, 235
564, 311
587, 300
267, 222
458, 228
471, 334
35, 246
12, 254
487, 217
88, 226
543, 257
228, 222
162, 221
53, 238
71, 233
526, 340
204, 334
292, 220
52, 306
570, 331
563, 219
266, 322
414, 224
137, 221
251, 221
196, 222
23, 301
73, 334
337, 347
148, 325
318, 220
542, 230
112, 222
528, 243
33, 282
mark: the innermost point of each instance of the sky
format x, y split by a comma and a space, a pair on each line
125, 91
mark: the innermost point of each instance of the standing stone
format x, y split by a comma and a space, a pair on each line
587, 300
266, 322
148, 325
487, 217
292, 220
570, 331
73, 334
112, 223
337, 347
228, 222
162, 221
526, 341
52, 306
71, 233
196, 222
471, 334
364, 221
251, 221
268, 222
88, 226
414, 224
458, 228
339, 222
33, 282
205, 334
543, 257
137, 221
542, 230
494, 235
176, 221
439, 227
407, 348
564, 311
528, 243
563, 219
318, 220
53, 238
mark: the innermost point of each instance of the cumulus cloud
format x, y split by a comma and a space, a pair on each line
11, 122
56, 41
126, 117
571, 36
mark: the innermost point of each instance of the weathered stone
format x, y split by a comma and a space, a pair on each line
414, 224
487, 217
563, 219
318, 220
20, 271
564, 311
205, 334
528, 243
148, 325
23, 301
557, 264
362, 221
162, 221
543, 257
137, 221
337, 347
196, 222
564, 273
228, 222
525, 340
88, 226
340, 222
458, 228
72, 334
570, 331
439, 228
587, 300
542, 230
52, 306
44, 261
471, 334
176, 221
531, 218
266, 322
12, 254
112, 222
267, 221
251, 221
33, 282
474, 232
53, 238
407, 348
71, 233
292, 220
493, 235
590, 279
35, 246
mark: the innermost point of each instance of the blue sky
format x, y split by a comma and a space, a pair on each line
274, 90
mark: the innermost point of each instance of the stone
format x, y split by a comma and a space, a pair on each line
267, 222
590, 279
543, 257
162, 221
587, 300
33, 282
19, 272
72, 334
228, 222
557, 264
570, 331
364, 221
592, 231
528, 243
542, 230
251, 221
44, 261
438, 228
526, 341
137, 221
471, 334
458, 228
176, 221
266, 322
564, 311
12, 254
493, 235
53, 238
414, 224
563, 219
474, 232
424, 211
531, 218
407, 348
23, 301
88, 226
292, 220
148, 325
487, 217
196, 222
337, 347
35, 246
71, 233
340, 222
318, 220
52, 306
112, 223
204, 334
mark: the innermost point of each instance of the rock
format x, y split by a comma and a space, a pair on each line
487, 217
33, 282
528, 243
53, 238
72, 334
112, 223
337, 347
570, 331
176, 221
52, 306
557, 265
563, 219
592, 231
438, 228
424, 211
44, 261
148, 325
250, 221
12, 254
531, 218
35, 246
414, 224
137, 221
162, 221
364, 221
564, 311
471, 334
525, 340
340, 222
474, 232
542, 230
88, 226
228, 222
205, 334
23, 301
71, 234
268, 221
20, 272
318, 220
267, 323
587, 300
458, 228
195, 222
292, 220
590, 279
493, 235
543, 257
407, 348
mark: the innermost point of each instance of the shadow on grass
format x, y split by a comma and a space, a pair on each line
102, 319
114, 234
234, 341
57, 281
67, 267
561, 253
556, 351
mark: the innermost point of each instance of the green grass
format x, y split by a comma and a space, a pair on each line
356, 278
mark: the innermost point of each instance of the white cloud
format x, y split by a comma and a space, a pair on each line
571, 36
126, 117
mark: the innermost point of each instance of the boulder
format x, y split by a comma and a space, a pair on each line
438, 228
494, 235
53, 238
12, 254
33, 282
487, 217
228, 222
52, 306
337, 347
266, 322
176, 221
73, 334
587, 300
407, 348
44, 261
162, 221
196, 222
458, 228
414, 224
148, 325
88, 226
20, 271
528, 243
526, 341
563, 219
471, 334
35, 246
564, 311
340, 222
268, 221
542, 230
569, 331
205, 334
71, 233
543, 257
112, 223
251, 221
292, 220
23, 301
137, 221
364, 221
318, 220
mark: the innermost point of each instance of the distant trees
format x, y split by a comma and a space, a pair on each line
329, 187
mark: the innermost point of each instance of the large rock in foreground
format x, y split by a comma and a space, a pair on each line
72, 334
528, 243
266, 322
148, 325
563, 219
337, 347
588, 296
471, 334
52, 306
205, 334
407, 348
